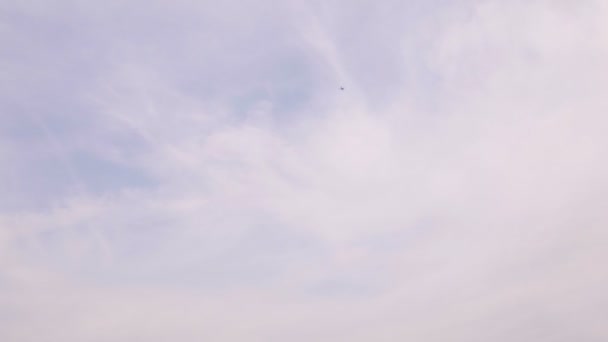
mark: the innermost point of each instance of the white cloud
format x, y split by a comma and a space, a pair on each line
230, 191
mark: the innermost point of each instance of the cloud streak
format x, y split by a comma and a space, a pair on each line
230, 191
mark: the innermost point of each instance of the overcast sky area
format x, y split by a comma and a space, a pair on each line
191, 170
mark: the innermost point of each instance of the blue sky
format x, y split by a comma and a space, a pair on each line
191, 170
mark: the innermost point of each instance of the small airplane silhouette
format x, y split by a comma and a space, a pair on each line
341, 88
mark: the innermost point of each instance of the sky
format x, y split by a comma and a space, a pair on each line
191, 170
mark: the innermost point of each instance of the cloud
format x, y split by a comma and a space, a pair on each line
192, 171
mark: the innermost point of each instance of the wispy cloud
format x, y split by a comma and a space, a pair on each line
192, 171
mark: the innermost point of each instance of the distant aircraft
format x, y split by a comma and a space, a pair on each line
341, 88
